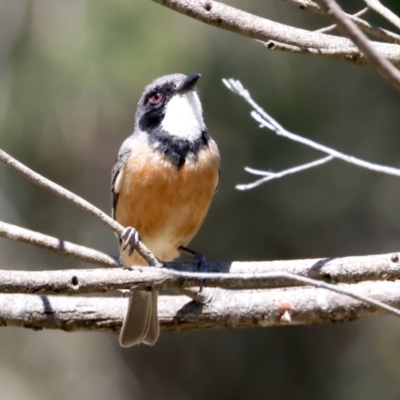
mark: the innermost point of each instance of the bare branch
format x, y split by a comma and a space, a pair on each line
338, 54
377, 6
357, 14
376, 59
266, 274
243, 23
233, 309
268, 176
364, 25
76, 200
263, 118
58, 246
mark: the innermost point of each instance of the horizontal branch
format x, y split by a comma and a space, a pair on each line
220, 274
230, 309
243, 23
58, 246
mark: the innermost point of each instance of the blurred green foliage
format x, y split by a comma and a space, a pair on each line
71, 73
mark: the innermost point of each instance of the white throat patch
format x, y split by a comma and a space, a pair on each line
184, 116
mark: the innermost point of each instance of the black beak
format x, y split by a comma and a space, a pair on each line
188, 84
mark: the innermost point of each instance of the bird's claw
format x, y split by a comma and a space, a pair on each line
130, 237
200, 262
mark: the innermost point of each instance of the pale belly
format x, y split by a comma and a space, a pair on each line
165, 204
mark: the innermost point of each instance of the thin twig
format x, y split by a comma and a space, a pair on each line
377, 6
58, 246
233, 309
268, 176
263, 118
364, 25
376, 59
77, 201
243, 23
333, 27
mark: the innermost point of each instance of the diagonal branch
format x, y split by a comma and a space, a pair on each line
376, 59
364, 25
266, 121
377, 6
330, 28
76, 200
231, 309
268, 176
57, 246
246, 24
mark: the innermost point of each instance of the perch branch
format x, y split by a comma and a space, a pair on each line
231, 309
243, 23
385, 68
76, 200
183, 275
58, 246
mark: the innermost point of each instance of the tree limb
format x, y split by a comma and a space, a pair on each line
231, 309
375, 58
237, 21
377, 6
364, 25
77, 201
219, 274
58, 246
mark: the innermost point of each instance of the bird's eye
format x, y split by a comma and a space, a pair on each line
155, 98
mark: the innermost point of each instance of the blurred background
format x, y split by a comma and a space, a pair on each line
71, 73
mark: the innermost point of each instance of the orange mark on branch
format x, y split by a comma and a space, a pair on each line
285, 312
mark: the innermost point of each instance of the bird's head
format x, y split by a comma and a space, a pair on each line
171, 104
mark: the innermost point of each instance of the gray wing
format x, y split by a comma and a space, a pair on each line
123, 156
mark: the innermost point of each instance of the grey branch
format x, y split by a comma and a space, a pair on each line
268, 176
219, 274
81, 281
58, 246
364, 25
375, 58
377, 6
266, 121
76, 200
243, 23
231, 309
357, 14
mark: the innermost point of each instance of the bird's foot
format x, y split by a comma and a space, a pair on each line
130, 237
199, 262
198, 258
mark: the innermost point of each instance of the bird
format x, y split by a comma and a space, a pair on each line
162, 185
